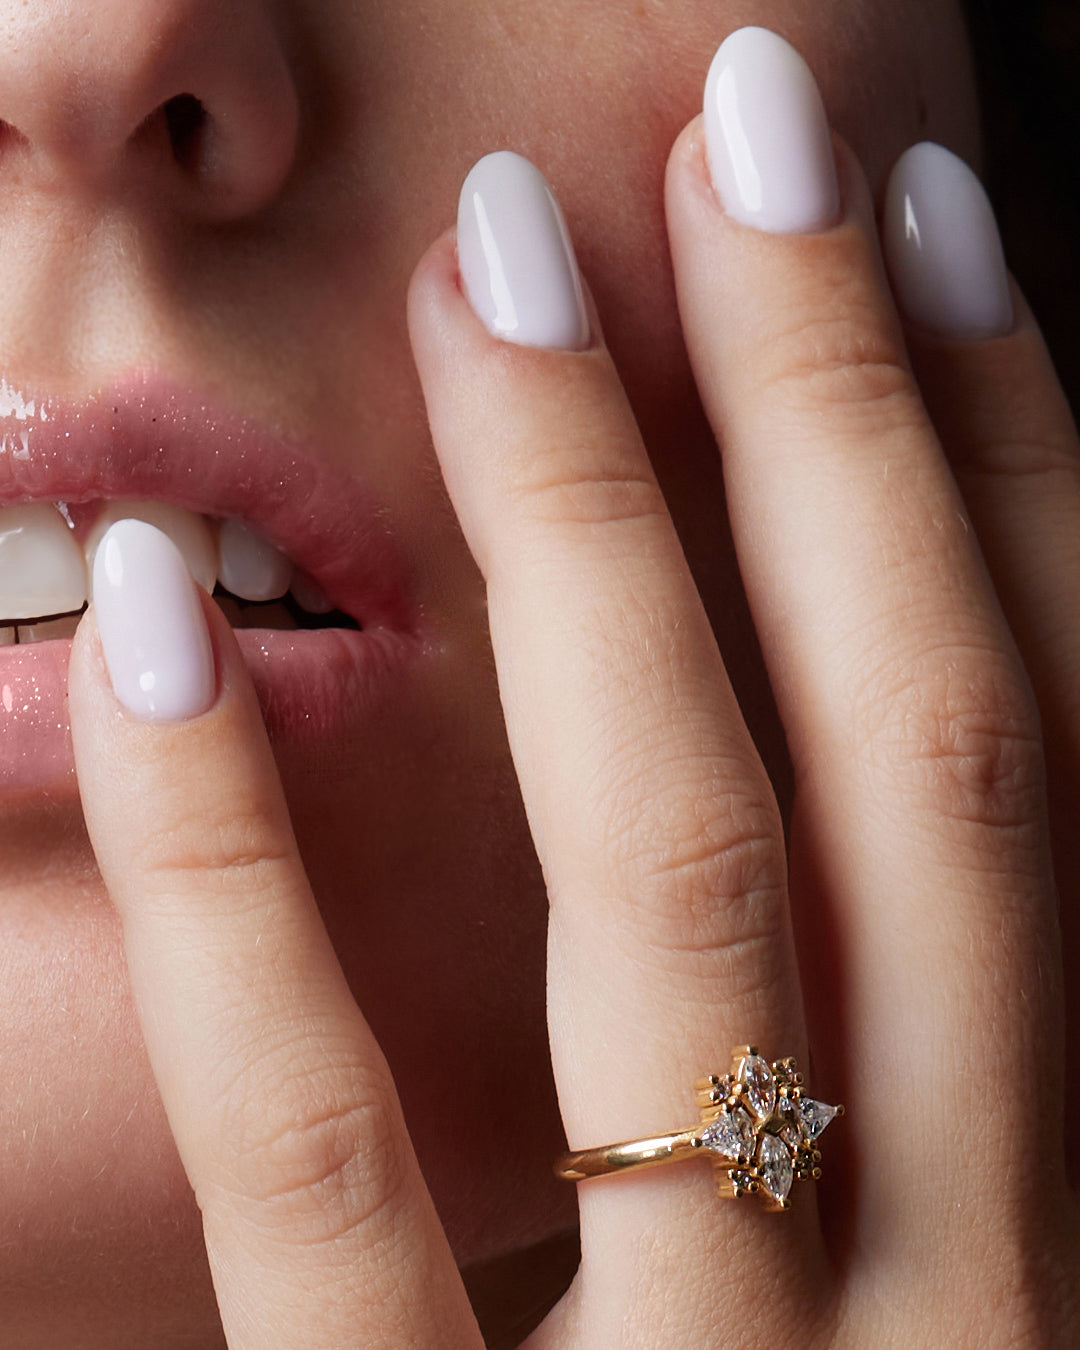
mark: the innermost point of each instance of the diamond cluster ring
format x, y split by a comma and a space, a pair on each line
758, 1127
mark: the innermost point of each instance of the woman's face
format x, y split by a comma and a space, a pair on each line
211, 314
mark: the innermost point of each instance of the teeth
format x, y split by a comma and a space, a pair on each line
248, 616
41, 566
47, 553
250, 567
308, 594
63, 627
188, 531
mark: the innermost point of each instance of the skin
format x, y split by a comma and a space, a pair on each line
283, 290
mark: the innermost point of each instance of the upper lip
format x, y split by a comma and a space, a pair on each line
147, 438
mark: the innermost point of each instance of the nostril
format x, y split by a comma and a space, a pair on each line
185, 120
10, 135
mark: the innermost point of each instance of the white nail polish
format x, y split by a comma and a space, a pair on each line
943, 248
517, 262
767, 136
156, 644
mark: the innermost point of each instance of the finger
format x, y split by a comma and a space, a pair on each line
318, 1227
911, 724
669, 938
990, 387
1009, 435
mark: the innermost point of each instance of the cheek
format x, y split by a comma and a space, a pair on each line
596, 92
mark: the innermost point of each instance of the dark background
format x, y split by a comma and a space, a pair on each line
1028, 55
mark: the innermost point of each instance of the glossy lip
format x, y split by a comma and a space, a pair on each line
148, 439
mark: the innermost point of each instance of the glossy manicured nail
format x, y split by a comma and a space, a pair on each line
153, 632
516, 259
768, 141
943, 248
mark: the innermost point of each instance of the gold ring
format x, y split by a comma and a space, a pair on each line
758, 1127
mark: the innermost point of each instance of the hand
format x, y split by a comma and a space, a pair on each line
921, 882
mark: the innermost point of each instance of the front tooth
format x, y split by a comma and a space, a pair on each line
188, 531
41, 566
251, 567
7, 637
63, 627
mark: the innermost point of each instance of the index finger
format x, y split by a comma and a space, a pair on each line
318, 1225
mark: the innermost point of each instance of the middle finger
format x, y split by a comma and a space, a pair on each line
662, 849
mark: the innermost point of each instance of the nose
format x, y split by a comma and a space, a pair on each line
190, 102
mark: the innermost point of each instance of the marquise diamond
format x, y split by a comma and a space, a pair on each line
760, 1085
775, 1167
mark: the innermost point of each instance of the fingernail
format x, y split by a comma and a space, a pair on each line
157, 647
767, 137
943, 248
516, 259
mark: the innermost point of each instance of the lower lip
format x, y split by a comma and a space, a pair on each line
315, 687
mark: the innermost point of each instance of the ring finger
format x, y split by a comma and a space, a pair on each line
912, 727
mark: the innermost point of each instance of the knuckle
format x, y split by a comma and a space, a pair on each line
569, 486
202, 850
322, 1164
835, 355
703, 875
1050, 459
958, 731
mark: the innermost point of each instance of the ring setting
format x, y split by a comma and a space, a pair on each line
761, 1127
758, 1127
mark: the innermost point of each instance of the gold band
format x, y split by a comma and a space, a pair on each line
758, 1128
629, 1156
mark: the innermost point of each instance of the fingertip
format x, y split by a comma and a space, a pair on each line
151, 624
434, 279
693, 200
943, 247
440, 318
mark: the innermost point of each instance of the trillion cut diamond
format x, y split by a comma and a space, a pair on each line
814, 1117
775, 1167
730, 1134
760, 1085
